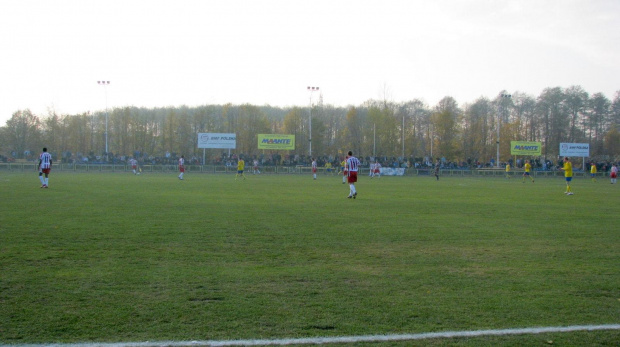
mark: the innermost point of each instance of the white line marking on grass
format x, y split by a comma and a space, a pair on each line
343, 339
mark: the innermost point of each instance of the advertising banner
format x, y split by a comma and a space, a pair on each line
525, 148
388, 171
275, 141
216, 140
574, 149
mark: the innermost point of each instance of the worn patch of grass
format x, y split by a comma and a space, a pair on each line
118, 257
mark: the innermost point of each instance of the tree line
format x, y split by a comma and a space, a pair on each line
380, 128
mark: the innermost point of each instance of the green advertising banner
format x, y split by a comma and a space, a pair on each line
274, 141
525, 148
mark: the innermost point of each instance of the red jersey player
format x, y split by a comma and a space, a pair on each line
181, 167
314, 168
352, 166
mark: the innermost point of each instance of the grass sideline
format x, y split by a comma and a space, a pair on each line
118, 257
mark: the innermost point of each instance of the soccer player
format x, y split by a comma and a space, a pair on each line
352, 166
240, 168
373, 169
377, 170
255, 167
526, 173
45, 166
613, 174
328, 168
507, 170
568, 174
593, 172
343, 168
181, 167
134, 165
436, 172
314, 168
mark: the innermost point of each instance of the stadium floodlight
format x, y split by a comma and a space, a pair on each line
104, 84
402, 139
311, 90
500, 108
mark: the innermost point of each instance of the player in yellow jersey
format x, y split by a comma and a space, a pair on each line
240, 167
568, 175
328, 169
527, 167
343, 169
507, 170
593, 172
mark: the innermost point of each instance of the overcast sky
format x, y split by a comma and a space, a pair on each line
172, 53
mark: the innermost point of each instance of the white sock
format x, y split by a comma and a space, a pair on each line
42, 180
352, 188
47, 180
314, 176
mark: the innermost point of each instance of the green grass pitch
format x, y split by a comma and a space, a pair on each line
109, 257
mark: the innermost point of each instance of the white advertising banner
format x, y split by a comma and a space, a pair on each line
217, 140
574, 149
388, 171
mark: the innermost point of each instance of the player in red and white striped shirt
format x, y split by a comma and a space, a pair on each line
375, 170
45, 166
353, 165
181, 167
134, 165
314, 168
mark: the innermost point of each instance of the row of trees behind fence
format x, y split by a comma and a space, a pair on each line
410, 129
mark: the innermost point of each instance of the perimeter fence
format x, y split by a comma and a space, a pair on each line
222, 169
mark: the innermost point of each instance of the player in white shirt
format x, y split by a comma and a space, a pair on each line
181, 167
614, 174
134, 165
376, 170
314, 168
255, 167
352, 166
45, 166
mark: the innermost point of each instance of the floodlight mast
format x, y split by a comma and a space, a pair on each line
500, 108
105, 84
311, 90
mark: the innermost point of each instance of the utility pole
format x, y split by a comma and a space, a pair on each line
311, 90
500, 108
105, 84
